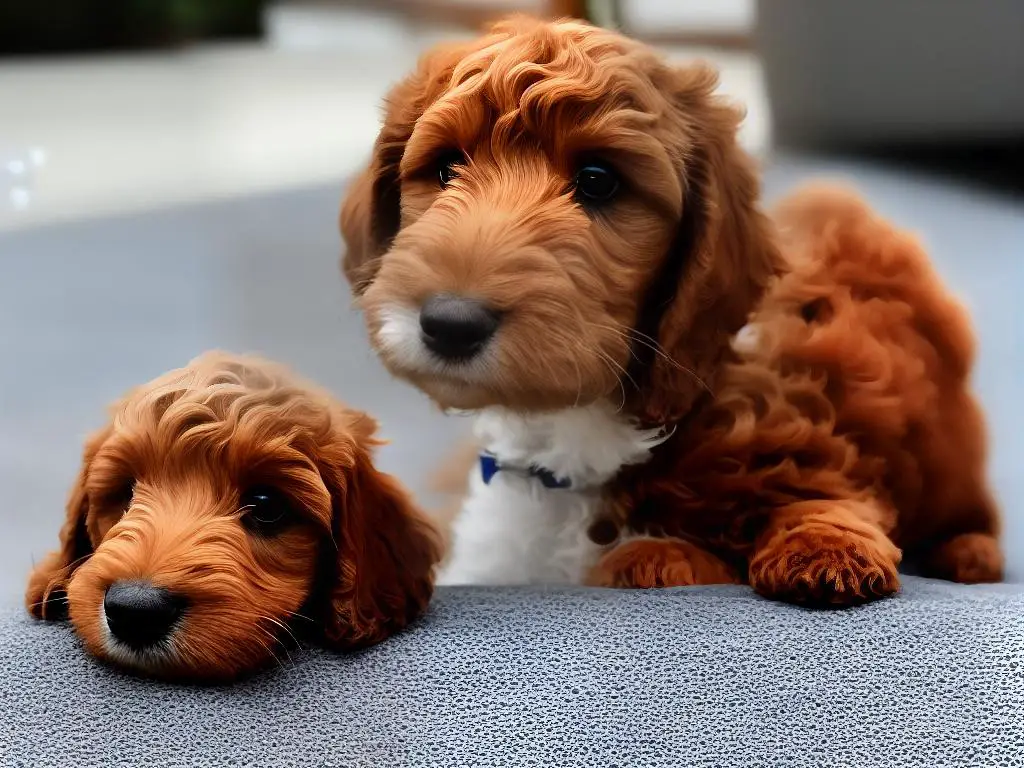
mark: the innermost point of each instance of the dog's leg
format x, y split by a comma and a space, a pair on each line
970, 558
650, 562
827, 553
967, 548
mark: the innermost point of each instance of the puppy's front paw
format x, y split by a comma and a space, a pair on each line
819, 564
649, 562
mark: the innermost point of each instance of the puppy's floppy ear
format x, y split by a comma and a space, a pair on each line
46, 594
722, 259
386, 549
371, 211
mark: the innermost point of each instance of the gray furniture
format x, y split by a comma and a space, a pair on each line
539, 677
892, 71
489, 678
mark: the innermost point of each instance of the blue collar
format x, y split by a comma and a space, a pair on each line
490, 466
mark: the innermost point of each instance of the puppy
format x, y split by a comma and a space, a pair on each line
225, 506
559, 231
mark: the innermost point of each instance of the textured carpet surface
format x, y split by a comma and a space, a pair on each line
700, 677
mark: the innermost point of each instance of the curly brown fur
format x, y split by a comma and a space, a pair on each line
526, 104
159, 499
835, 428
844, 429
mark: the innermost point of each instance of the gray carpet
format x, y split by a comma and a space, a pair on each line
700, 677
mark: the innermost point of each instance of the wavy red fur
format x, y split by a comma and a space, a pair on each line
355, 565
835, 430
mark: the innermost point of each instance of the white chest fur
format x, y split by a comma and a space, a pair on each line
514, 530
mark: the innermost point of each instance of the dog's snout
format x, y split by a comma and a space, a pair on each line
139, 614
455, 327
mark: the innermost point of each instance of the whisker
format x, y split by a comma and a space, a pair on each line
287, 630
549, 367
625, 373
275, 642
612, 366
631, 334
77, 560
579, 381
270, 650
301, 616
273, 637
40, 603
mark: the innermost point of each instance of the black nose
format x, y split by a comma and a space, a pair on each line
139, 614
457, 328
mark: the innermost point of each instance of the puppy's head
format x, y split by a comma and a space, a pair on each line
223, 507
553, 215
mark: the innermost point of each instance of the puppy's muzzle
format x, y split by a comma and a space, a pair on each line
456, 328
139, 614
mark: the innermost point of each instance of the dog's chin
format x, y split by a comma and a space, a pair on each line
176, 659
486, 380
451, 393
161, 662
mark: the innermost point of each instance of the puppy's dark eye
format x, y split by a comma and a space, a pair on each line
595, 184
448, 167
265, 510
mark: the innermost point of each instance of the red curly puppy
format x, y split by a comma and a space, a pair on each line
225, 506
559, 231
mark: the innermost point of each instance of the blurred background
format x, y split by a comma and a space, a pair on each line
170, 172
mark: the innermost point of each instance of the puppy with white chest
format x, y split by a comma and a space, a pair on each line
225, 506
559, 231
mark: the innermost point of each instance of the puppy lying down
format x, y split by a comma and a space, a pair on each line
225, 507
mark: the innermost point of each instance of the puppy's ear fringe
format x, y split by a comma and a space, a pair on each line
46, 596
387, 554
724, 257
370, 214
